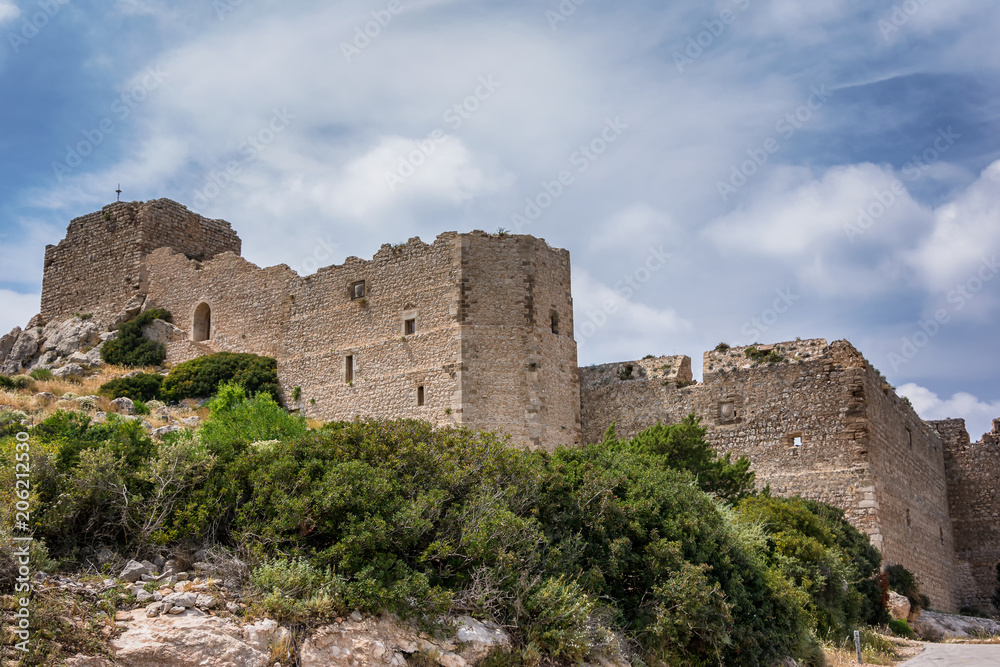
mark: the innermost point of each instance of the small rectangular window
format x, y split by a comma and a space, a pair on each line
410, 327
797, 441
358, 290
420, 395
349, 369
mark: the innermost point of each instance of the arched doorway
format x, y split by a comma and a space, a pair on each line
202, 329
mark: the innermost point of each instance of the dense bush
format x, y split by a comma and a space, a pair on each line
42, 374
131, 348
141, 387
814, 546
562, 548
201, 377
905, 583
901, 628
683, 447
16, 382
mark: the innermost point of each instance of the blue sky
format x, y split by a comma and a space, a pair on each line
788, 169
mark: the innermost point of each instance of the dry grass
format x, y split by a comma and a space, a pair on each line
39, 409
877, 649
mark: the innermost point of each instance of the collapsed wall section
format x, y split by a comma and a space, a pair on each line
100, 265
812, 421
974, 499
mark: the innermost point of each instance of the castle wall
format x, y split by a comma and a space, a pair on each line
974, 499
907, 459
466, 360
99, 267
848, 438
517, 375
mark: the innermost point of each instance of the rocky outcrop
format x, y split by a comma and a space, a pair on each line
935, 626
899, 606
188, 639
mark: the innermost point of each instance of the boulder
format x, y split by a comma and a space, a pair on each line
268, 637
69, 336
124, 405
181, 599
22, 351
184, 640
45, 396
133, 571
205, 601
7, 343
935, 626
69, 371
163, 430
80, 660
479, 637
160, 331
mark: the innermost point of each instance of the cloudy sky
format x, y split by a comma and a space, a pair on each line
738, 170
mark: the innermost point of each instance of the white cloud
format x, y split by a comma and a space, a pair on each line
966, 229
794, 212
16, 309
400, 171
637, 226
610, 324
8, 11
978, 414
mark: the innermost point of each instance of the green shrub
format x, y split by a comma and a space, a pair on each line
905, 583
131, 348
902, 628
141, 387
813, 546
16, 382
140, 407
683, 447
559, 613
201, 377
42, 374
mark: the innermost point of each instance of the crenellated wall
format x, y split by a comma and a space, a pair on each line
814, 421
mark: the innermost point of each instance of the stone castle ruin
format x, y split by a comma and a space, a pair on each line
477, 329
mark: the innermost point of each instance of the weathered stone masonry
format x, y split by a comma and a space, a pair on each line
477, 329
822, 423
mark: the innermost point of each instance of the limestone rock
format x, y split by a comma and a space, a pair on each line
7, 343
267, 637
124, 405
899, 606
163, 332
205, 601
80, 660
22, 351
69, 371
154, 609
45, 396
181, 599
69, 336
479, 637
934, 626
133, 571
163, 430
186, 640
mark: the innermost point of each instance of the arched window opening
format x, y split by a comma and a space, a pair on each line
202, 329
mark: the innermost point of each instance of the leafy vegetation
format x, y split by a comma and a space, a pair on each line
16, 382
201, 377
655, 537
141, 387
132, 348
758, 356
901, 628
905, 583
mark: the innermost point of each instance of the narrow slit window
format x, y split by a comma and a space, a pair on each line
349, 369
410, 326
554, 321
909, 438
420, 395
909, 524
